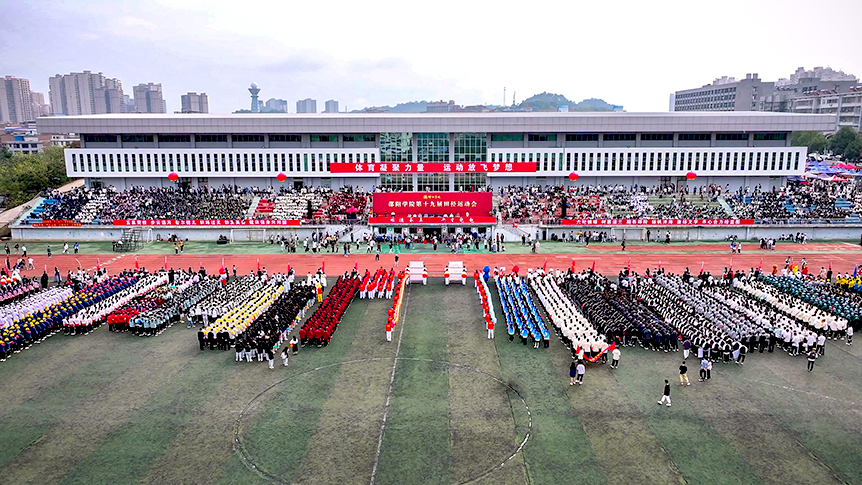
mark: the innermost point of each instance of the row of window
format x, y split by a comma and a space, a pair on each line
649, 162
439, 139
588, 137
705, 93
218, 162
212, 138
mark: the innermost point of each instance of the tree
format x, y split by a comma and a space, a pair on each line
842, 139
24, 176
854, 149
814, 140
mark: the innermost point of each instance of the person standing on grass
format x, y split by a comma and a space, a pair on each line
665, 397
812, 356
683, 374
581, 370
615, 361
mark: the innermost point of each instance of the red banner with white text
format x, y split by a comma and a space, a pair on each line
402, 219
432, 167
206, 222
657, 222
432, 203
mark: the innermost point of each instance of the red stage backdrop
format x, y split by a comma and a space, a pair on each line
658, 222
432, 203
422, 167
402, 219
205, 222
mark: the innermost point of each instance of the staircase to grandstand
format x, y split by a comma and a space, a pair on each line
727, 208
255, 208
847, 205
132, 240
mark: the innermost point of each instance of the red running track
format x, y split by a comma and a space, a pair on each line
714, 257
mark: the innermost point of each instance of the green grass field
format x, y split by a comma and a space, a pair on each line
115, 409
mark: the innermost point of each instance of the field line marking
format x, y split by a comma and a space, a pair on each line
389, 392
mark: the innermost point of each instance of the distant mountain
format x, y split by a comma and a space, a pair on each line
538, 102
408, 107
551, 102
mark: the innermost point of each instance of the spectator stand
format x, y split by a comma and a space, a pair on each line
455, 272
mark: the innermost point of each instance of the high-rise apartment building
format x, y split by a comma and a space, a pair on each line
307, 105
148, 98
195, 103
274, 104
331, 106
84, 93
38, 105
15, 100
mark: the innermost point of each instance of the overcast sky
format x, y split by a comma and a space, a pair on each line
632, 53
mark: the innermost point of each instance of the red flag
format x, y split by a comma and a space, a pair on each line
759, 266
573, 266
222, 264
593, 268
136, 264
323, 266
659, 264
545, 266
166, 263
258, 264
515, 225
609, 348
288, 269
701, 266
98, 264
356, 266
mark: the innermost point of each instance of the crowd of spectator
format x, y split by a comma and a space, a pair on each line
813, 200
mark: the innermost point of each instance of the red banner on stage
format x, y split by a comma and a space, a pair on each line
432, 203
57, 223
657, 222
206, 222
435, 167
402, 219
